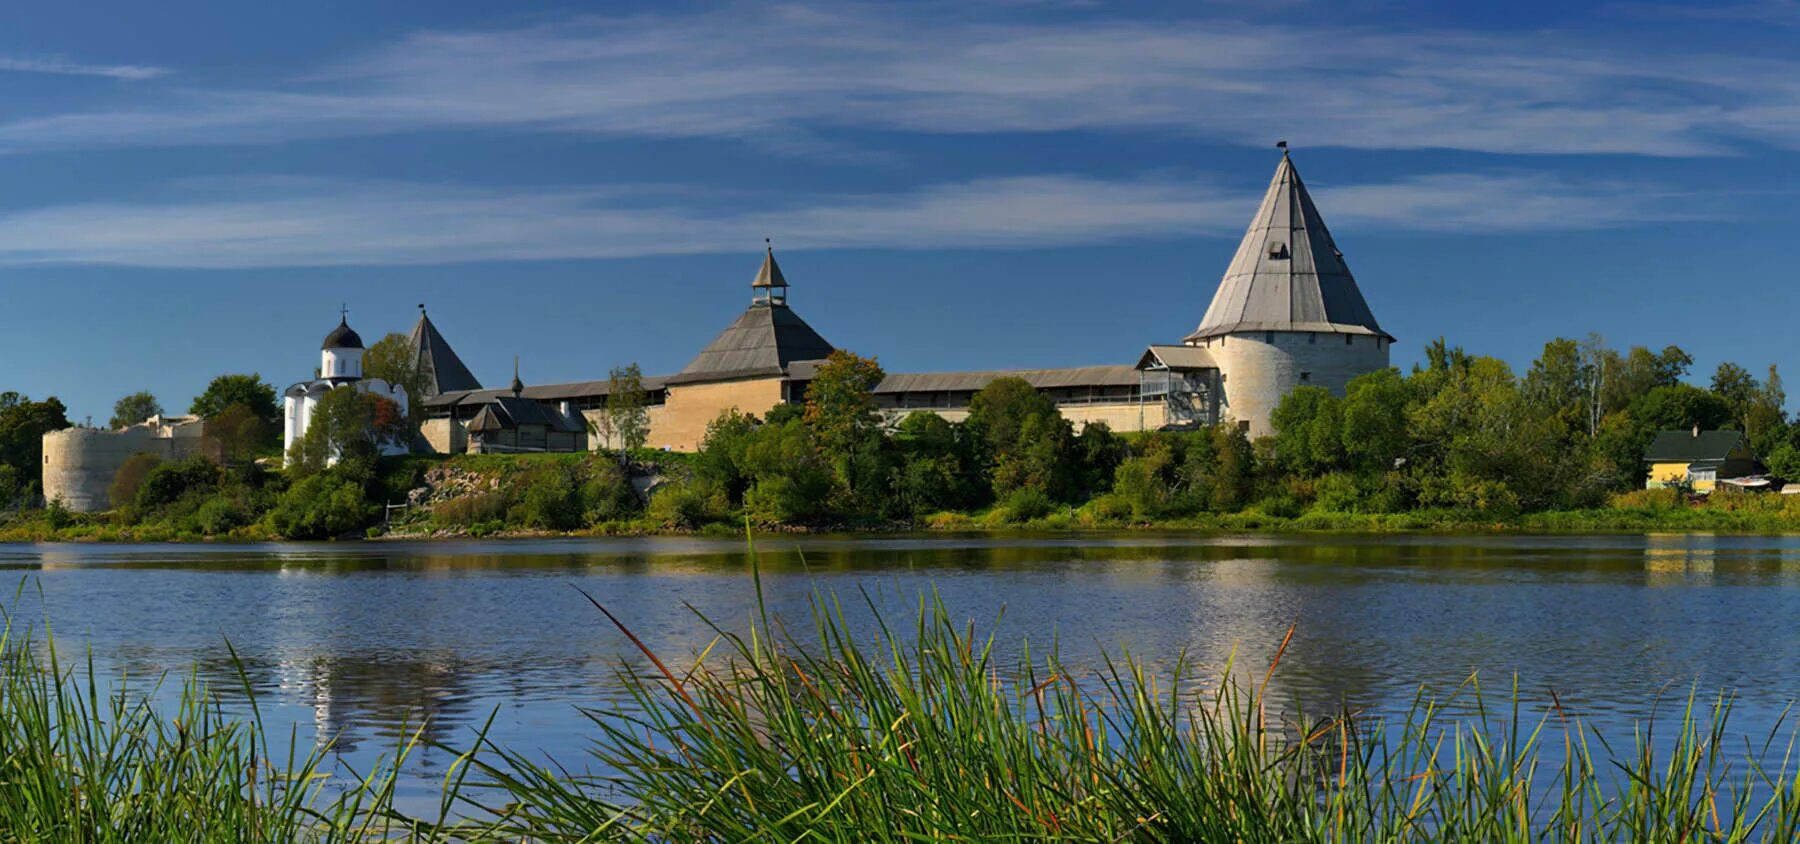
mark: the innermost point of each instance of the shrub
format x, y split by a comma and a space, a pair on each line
470, 510
548, 498
167, 483
130, 478
220, 514
682, 505
1025, 504
1647, 499
321, 506
606, 493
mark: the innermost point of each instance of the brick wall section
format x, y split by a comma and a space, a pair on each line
690, 407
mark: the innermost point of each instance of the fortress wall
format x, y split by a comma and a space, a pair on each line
1120, 417
445, 436
657, 414
689, 407
1256, 374
80, 463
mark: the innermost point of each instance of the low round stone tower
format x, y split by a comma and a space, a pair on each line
1288, 313
80, 463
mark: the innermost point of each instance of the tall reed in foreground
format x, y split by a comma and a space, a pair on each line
79, 763
922, 735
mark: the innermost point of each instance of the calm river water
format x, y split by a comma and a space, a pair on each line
358, 640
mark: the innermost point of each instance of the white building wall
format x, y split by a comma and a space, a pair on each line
1257, 373
338, 364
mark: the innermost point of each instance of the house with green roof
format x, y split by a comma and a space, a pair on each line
1698, 459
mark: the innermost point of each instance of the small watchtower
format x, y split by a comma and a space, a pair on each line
769, 288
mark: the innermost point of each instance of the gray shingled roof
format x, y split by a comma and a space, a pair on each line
1177, 357
510, 411
444, 372
541, 392
761, 343
770, 274
1043, 379
1288, 275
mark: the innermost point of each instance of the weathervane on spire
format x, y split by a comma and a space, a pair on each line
1283, 146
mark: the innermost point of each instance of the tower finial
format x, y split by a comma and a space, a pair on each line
1283, 146
344, 312
518, 387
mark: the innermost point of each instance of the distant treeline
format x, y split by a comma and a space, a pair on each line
1458, 434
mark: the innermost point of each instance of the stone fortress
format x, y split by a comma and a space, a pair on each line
1286, 313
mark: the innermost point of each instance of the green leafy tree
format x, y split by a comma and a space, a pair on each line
236, 435
626, 417
348, 426
321, 506
134, 409
394, 359
843, 415
1025, 438
936, 469
247, 390
1374, 420
23, 423
1309, 436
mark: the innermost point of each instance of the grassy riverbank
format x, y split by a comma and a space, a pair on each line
920, 733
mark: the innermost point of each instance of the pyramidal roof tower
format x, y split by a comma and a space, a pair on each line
443, 371
763, 341
1288, 275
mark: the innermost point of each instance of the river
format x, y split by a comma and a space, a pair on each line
362, 640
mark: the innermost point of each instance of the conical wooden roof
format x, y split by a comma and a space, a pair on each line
763, 341
443, 371
1288, 275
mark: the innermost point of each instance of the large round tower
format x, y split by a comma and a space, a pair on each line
1288, 313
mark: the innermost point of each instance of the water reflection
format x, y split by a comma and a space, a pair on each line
366, 641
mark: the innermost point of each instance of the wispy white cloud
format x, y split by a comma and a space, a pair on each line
63, 67
310, 222
783, 75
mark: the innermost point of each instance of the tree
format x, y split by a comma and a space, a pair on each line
23, 424
1374, 420
1309, 438
626, 417
1025, 439
394, 359
247, 390
348, 426
129, 478
236, 435
842, 413
134, 409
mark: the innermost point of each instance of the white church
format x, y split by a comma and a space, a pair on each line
340, 367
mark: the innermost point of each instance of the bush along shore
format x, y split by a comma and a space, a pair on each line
1458, 443
917, 734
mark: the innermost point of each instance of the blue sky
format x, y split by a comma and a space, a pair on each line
189, 188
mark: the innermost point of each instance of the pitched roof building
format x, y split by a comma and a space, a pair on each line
764, 341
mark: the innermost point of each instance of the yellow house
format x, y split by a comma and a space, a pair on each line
1698, 458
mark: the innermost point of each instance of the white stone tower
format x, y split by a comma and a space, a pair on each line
1288, 311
